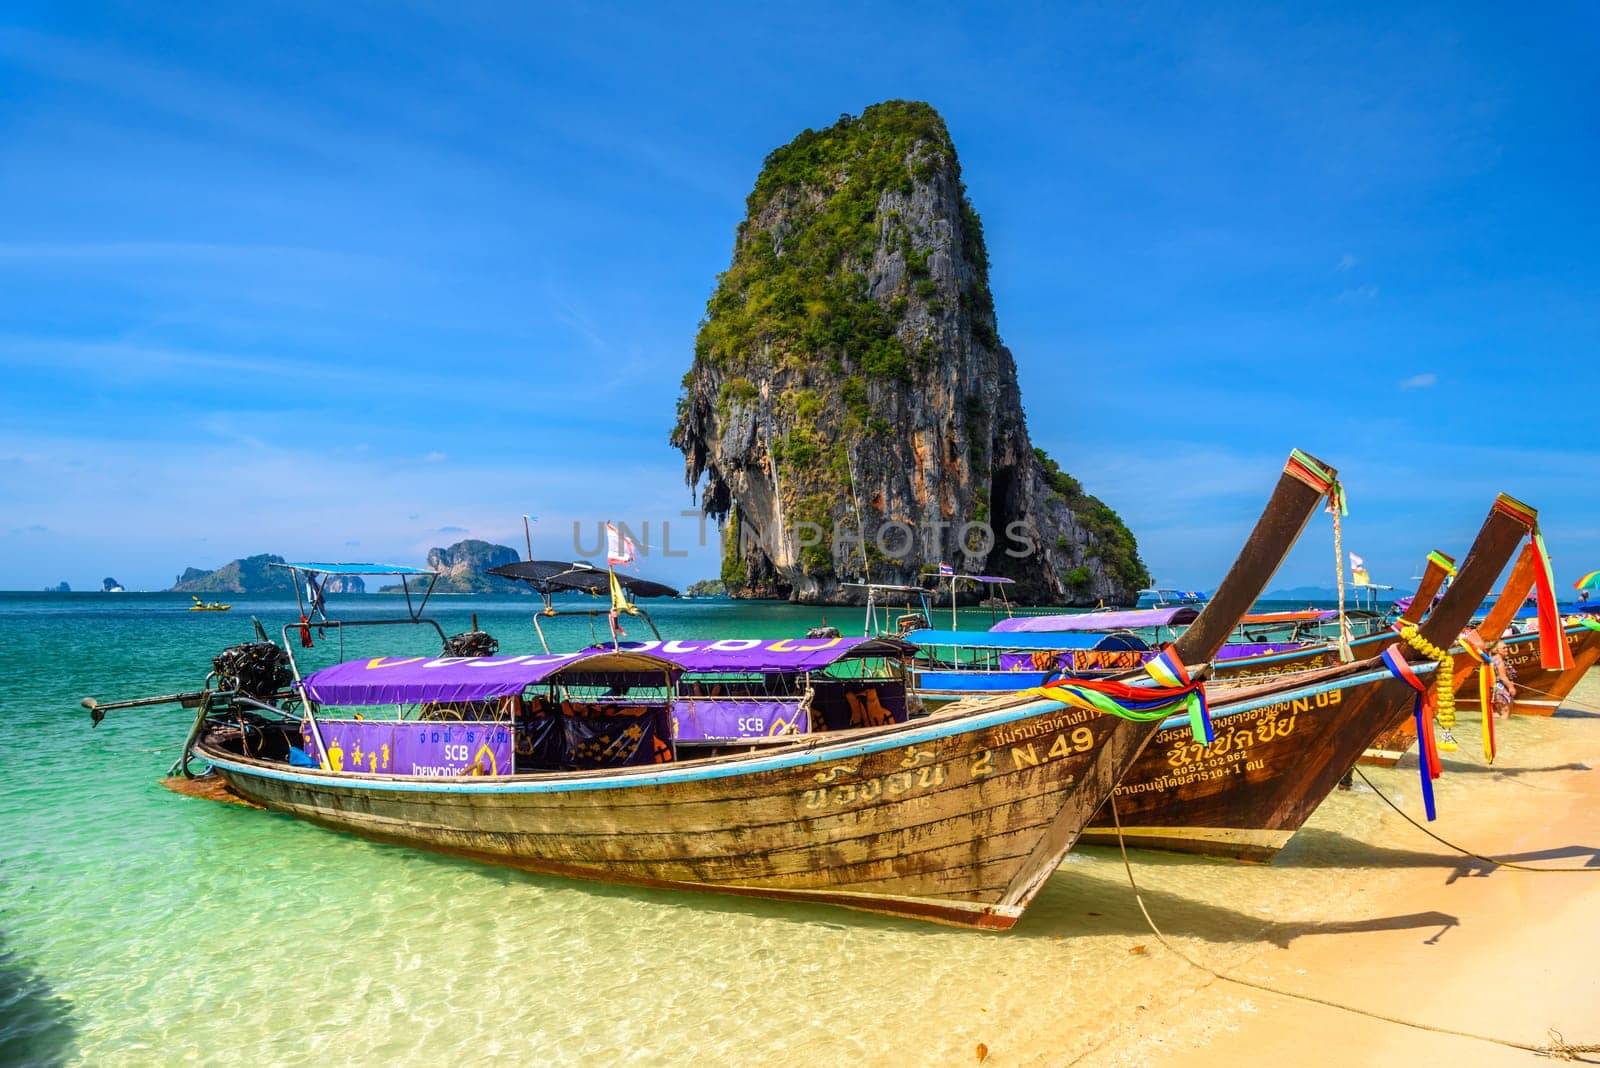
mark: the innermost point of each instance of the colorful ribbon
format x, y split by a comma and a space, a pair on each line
1309, 471
1589, 622
1447, 565
1142, 704
1554, 653
1473, 644
1428, 755
1168, 669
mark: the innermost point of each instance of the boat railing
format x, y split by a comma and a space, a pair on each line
550, 611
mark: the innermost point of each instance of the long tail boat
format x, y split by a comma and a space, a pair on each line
1274, 761
1539, 690
958, 818
1387, 749
1439, 567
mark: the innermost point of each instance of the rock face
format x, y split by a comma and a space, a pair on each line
250, 574
463, 564
850, 405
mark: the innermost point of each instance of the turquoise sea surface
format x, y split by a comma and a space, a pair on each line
138, 926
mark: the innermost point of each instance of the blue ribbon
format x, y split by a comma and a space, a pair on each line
1401, 670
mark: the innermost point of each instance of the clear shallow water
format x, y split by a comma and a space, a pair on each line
137, 925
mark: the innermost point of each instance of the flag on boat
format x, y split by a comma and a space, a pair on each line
619, 547
1358, 571
619, 600
946, 571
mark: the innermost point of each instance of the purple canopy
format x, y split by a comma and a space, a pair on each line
1129, 620
410, 680
766, 654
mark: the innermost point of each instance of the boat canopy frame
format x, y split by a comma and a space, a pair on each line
311, 592
550, 577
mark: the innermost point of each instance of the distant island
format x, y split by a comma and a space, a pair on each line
60, 587
111, 585
706, 588
251, 574
462, 568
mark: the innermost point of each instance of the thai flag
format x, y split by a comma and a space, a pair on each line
946, 571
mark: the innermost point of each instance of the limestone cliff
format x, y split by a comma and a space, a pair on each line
463, 564
849, 366
250, 574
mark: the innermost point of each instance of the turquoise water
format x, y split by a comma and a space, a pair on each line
139, 926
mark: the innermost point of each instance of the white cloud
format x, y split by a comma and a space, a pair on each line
1422, 381
1346, 262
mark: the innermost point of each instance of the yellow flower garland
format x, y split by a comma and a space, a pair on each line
1444, 682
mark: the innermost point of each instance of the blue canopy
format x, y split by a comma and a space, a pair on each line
359, 569
986, 639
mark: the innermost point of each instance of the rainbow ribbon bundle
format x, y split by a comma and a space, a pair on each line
1473, 644
1178, 693
1428, 750
1554, 653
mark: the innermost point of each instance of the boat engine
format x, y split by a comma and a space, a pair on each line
471, 643
255, 669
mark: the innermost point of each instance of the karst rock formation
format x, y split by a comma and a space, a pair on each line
848, 377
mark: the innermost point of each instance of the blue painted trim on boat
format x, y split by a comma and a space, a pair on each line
1292, 695
980, 681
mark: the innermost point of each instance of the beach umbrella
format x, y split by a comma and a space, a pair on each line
1591, 581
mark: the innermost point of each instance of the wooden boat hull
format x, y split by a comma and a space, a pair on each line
1272, 764
958, 820
1540, 691
1545, 689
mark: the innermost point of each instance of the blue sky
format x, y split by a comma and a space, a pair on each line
353, 280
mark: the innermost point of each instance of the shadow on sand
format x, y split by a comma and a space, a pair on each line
1095, 899
35, 1022
1315, 847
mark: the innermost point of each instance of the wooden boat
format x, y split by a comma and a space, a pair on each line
958, 818
1387, 749
1279, 753
202, 606
1326, 654
1540, 690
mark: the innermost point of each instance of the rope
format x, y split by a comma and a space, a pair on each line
1451, 845
1558, 1047
1566, 702
1335, 500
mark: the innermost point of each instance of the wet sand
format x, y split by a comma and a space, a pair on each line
1386, 919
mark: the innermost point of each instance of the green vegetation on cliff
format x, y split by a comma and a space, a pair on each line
1113, 542
797, 295
249, 574
706, 588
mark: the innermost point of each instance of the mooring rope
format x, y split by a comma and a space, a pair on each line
1497, 862
1566, 702
1558, 1047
